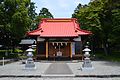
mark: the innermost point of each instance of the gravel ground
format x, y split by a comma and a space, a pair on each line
17, 68
100, 68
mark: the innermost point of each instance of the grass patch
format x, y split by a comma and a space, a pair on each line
6, 62
114, 56
8, 54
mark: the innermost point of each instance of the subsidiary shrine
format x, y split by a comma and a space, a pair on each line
58, 37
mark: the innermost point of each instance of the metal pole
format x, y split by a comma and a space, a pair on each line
3, 61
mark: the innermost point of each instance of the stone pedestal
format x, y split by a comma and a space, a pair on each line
87, 66
30, 62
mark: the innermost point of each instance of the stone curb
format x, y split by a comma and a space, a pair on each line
27, 76
98, 76
59, 76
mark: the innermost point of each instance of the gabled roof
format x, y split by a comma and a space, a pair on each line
60, 27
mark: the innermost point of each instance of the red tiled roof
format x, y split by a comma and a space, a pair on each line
36, 32
59, 28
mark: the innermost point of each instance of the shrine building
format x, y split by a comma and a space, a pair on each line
58, 37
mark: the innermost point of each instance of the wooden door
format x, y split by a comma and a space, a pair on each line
65, 49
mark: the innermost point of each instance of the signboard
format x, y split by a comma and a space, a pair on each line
59, 53
73, 48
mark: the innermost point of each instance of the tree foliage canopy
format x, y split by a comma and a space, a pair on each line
44, 13
16, 18
102, 17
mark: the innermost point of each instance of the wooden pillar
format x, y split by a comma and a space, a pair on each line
80, 47
37, 49
70, 49
46, 49
82, 55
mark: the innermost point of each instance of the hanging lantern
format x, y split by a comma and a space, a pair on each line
66, 44
55, 47
57, 43
53, 43
61, 44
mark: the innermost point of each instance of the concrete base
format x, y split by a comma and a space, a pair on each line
30, 64
33, 68
87, 68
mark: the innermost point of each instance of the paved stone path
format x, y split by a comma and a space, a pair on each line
58, 68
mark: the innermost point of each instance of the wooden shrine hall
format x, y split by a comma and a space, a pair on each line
58, 37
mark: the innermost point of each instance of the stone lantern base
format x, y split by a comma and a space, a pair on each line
87, 66
87, 69
30, 64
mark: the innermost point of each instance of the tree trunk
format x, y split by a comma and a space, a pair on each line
106, 47
13, 46
13, 49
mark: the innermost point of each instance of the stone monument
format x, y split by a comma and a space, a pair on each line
87, 66
30, 62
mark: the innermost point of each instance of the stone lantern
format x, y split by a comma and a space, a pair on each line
86, 66
30, 62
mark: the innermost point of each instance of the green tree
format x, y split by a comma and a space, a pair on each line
15, 20
116, 23
44, 13
31, 11
99, 17
32, 14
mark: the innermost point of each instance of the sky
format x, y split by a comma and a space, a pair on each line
59, 8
